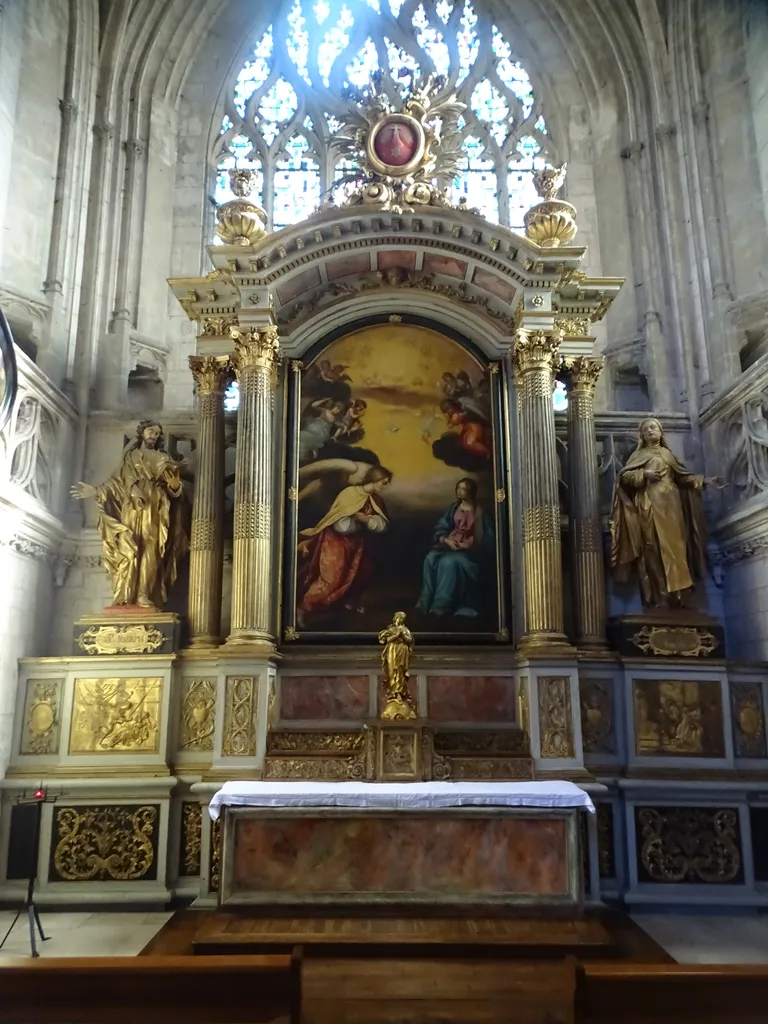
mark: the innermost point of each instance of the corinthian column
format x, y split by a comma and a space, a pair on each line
587, 550
257, 352
207, 536
534, 358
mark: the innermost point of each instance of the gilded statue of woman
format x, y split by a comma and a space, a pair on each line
141, 525
657, 520
395, 661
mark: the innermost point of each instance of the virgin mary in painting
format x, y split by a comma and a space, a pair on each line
463, 546
334, 550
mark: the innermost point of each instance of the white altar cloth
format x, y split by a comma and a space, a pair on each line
398, 795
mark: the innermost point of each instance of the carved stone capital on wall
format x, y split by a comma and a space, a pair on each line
210, 373
633, 148
582, 373
256, 347
217, 326
573, 326
536, 350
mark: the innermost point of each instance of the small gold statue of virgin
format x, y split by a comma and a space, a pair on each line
395, 661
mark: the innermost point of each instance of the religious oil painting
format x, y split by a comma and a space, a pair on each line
395, 470
115, 716
678, 719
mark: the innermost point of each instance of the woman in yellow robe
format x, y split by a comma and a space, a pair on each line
657, 520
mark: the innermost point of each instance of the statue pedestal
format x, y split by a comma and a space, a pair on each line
127, 631
667, 633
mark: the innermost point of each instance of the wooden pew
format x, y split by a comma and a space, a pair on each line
152, 990
613, 993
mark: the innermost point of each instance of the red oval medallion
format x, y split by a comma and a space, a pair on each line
395, 144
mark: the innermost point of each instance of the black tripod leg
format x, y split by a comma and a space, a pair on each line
32, 941
5, 937
39, 925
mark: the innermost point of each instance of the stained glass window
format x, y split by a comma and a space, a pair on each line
288, 100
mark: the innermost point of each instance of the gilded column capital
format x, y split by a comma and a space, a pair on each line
256, 347
536, 350
582, 373
210, 373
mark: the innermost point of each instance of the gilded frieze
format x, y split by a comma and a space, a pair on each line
133, 639
482, 769
315, 742
315, 769
596, 699
191, 836
748, 718
115, 716
104, 843
42, 717
691, 845
198, 715
239, 719
399, 753
555, 720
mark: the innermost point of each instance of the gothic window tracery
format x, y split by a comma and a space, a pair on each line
290, 96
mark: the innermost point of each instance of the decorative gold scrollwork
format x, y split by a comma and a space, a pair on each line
239, 728
191, 829
690, 844
198, 715
136, 639
214, 862
104, 843
555, 717
41, 721
682, 641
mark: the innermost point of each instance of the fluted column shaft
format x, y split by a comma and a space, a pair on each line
534, 360
582, 374
206, 555
257, 351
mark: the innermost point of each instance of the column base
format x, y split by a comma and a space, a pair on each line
541, 643
204, 642
252, 643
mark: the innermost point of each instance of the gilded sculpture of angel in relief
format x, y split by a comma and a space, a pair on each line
657, 520
141, 520
395, 661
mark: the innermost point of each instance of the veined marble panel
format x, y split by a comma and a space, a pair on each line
306, 698
471, 698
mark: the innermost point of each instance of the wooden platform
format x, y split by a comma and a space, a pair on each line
540, 938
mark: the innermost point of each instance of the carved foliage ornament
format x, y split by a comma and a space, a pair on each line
239, 726
191, 829
41, 718
210, 373
596, 698
555, 724
681, 844
535, 350
315, 769
104, 843
748, 720
198, 715
256, 347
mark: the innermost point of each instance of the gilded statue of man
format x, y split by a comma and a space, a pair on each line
657, 520
141, 509
395, 661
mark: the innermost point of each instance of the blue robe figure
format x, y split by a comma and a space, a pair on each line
463, 548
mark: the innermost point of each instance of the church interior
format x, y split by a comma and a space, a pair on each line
384, 511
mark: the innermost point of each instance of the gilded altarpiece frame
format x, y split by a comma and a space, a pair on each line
404, 394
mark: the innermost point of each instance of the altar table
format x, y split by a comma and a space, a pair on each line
436, 843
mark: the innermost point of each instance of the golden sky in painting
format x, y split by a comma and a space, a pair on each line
397, 369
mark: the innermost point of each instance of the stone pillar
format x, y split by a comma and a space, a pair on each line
207, 540
581, 378
257, 352
535, 356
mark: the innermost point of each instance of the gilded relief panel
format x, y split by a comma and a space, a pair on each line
104, 843
198, 715
115, 716
597, 716
678, 719
42, 717
748, 717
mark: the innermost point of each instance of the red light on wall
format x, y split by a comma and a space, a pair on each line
39, 794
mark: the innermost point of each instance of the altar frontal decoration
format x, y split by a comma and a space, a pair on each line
404, 158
